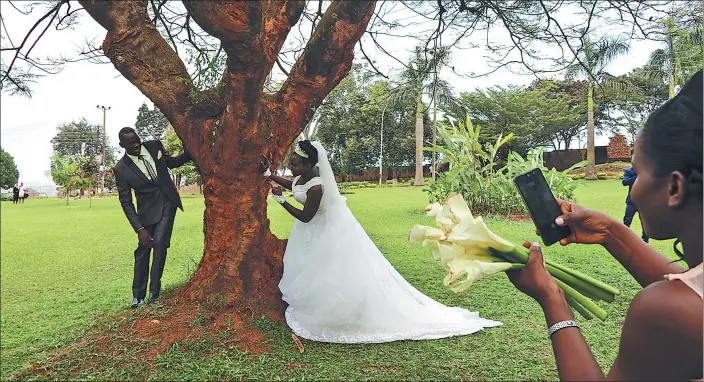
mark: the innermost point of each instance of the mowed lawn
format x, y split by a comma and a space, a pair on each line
66, 268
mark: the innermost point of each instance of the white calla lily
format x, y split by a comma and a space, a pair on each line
421, 232
475, 232
465, 272
433, 209
459, 207
461, 243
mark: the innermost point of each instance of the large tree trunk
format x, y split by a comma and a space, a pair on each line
242, 263
419, 179
590, 170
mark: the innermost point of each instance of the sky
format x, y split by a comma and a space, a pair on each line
28, 124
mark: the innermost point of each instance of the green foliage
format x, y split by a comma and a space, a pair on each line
151, 123
65, 173
628, 112
79, 138
188, 173
9, 174
476, 173
350, 120
541, 115
679, 58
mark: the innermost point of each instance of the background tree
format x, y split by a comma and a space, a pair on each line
64, 172
398, 125
80, 138
151, 123
539, 115
679, 59
417, 78
338, 126
596, 56
628, 112
9, 174
86, 175
77, 138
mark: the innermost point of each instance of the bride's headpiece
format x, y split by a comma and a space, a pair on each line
299, 151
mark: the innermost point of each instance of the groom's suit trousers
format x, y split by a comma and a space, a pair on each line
161, 233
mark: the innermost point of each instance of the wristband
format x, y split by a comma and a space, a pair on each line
267, 172
561, 325
280, 198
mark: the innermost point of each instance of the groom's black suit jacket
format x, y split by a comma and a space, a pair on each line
150, 194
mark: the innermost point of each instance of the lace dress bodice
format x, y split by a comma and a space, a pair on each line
300, 192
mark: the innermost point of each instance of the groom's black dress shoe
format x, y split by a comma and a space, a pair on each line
153, 297
137, 302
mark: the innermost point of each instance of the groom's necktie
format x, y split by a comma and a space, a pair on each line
150, 169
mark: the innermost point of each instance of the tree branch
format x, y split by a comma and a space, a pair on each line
325, 61
140, 54
252, 38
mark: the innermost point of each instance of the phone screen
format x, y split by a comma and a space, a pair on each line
542, 205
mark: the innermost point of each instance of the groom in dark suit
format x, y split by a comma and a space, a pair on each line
144, 170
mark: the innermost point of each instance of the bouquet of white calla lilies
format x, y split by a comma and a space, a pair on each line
469, 252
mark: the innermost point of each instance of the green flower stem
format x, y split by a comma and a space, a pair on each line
586, 287
582, 300
516, 267
579, 308
566, 281
587, 278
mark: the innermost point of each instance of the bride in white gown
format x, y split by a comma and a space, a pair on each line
339, 287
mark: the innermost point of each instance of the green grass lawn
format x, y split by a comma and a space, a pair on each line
64, 269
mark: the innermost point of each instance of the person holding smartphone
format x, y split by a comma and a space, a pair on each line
661, 338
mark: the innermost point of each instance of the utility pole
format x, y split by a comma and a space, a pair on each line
433, 166
102, 160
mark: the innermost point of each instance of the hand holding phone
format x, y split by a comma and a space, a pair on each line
542, 205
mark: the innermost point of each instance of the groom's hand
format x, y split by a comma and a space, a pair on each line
145, 239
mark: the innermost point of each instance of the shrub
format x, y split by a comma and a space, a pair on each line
476, 174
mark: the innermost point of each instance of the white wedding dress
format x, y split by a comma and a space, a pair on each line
340, 288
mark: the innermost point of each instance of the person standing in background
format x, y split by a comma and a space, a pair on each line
21, 193
15, 194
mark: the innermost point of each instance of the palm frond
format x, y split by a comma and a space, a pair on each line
608, 49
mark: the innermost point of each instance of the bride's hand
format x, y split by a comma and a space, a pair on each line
264, 164
275, 189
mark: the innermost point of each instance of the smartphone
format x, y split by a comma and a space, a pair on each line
542, 205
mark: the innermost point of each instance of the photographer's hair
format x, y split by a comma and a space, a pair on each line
124, 131
672, 137
310, 151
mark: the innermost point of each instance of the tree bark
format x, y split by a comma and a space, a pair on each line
590, 170
228, 128
419, 179
242, 257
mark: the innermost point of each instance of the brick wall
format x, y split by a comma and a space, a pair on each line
564, 159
